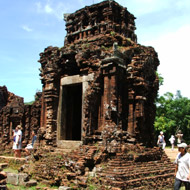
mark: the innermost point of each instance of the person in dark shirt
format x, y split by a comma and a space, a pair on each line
30, 146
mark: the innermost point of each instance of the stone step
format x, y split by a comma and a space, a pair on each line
7, 158
17, 179
123, 176
3, 187
68, 144
65, 188
3, 166
137, 165
31, 183
139, 182
139, 188
61, 151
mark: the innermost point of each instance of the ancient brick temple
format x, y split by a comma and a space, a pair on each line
14, 112
98, 91
102, 84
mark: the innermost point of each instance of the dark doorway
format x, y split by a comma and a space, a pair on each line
72, 95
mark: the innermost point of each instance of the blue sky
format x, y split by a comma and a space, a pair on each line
28, 27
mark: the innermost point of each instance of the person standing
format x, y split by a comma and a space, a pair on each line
172, 140
182, 170
161, 141
179, 137
17, 141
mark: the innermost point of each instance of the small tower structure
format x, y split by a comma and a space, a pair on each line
102, 84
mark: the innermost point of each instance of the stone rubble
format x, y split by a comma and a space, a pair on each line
3, 177
128, 167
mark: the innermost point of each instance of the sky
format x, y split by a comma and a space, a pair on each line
28, 27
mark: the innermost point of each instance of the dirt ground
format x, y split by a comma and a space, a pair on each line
171, 153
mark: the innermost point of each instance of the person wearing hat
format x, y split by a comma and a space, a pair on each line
17, 138
161, 141
179, 137
172, 140
182, 170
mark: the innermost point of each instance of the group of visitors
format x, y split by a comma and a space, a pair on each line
162, 143
182, 161
182, 170
17, 142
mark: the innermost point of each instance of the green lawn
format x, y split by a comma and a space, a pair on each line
39, 186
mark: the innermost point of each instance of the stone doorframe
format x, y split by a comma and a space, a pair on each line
70, 80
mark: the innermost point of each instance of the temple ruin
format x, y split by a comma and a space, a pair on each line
101, 82
98, 93
14, 112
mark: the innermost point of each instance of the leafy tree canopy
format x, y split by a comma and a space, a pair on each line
173, 113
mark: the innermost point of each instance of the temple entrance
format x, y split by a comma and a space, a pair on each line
70, 116
72, 102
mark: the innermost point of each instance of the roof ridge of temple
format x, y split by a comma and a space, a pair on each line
106, 17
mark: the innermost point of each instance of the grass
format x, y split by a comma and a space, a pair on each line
10, 170
38, 187
182, 188
29, 103
12, 187
13, 165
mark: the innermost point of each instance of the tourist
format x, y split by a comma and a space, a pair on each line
30, 146
179, 137
172, 140
182, 171
17, 141
161, 141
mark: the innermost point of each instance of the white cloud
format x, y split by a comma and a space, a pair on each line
83, 3
183, 4
141, 7
55, 9
27, 28
38, 6
173, 53
44, 8
48, 9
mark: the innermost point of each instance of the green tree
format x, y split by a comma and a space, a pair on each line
160, 78
173, 112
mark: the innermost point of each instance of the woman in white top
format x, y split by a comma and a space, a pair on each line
172, 140
161, 141
182, 170
17, 141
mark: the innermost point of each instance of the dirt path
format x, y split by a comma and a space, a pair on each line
171, 153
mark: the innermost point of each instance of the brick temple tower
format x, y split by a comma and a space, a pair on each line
102, 84
99, 91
